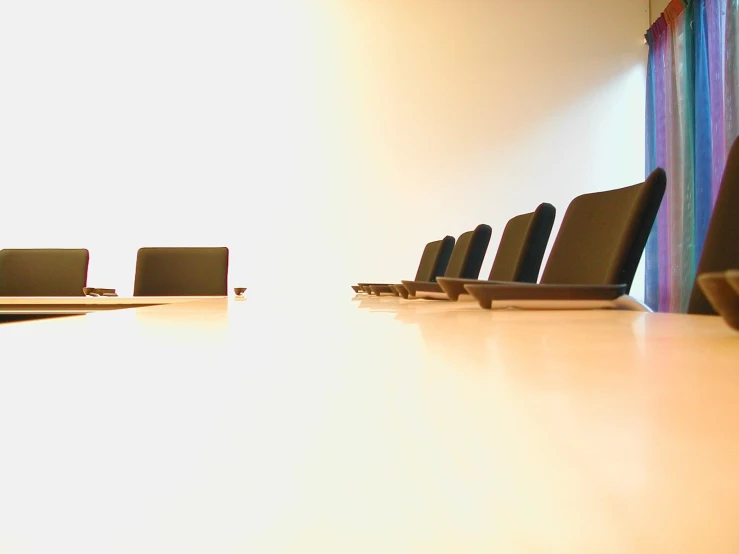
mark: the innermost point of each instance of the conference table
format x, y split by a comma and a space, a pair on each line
331, 424
12, 306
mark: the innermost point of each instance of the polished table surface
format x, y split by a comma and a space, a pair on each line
85, 304
328, 425
21, 308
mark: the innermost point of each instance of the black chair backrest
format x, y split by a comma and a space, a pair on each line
181, 272
522, 246
721, 247
43, 271
603, 235
435, 259
469, 253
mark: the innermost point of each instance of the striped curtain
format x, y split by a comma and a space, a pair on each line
692, 118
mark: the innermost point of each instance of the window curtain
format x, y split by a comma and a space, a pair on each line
692, 118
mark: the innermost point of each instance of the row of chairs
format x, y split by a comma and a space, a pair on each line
181, 271
599, 244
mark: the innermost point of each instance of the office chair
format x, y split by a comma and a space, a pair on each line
597, 249
716, 289
721, 247
181, 272
519, 255
434, 261
465, 262
43, 271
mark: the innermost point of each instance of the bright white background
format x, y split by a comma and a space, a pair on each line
321, 140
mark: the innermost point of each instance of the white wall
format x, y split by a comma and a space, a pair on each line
324, 139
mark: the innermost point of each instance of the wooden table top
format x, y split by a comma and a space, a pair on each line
370, 426
8, 302
13, 308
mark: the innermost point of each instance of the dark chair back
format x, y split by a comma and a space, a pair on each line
181, 272
522, 246
43, 271
603, 235
721, 247
435, 259
469, 253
